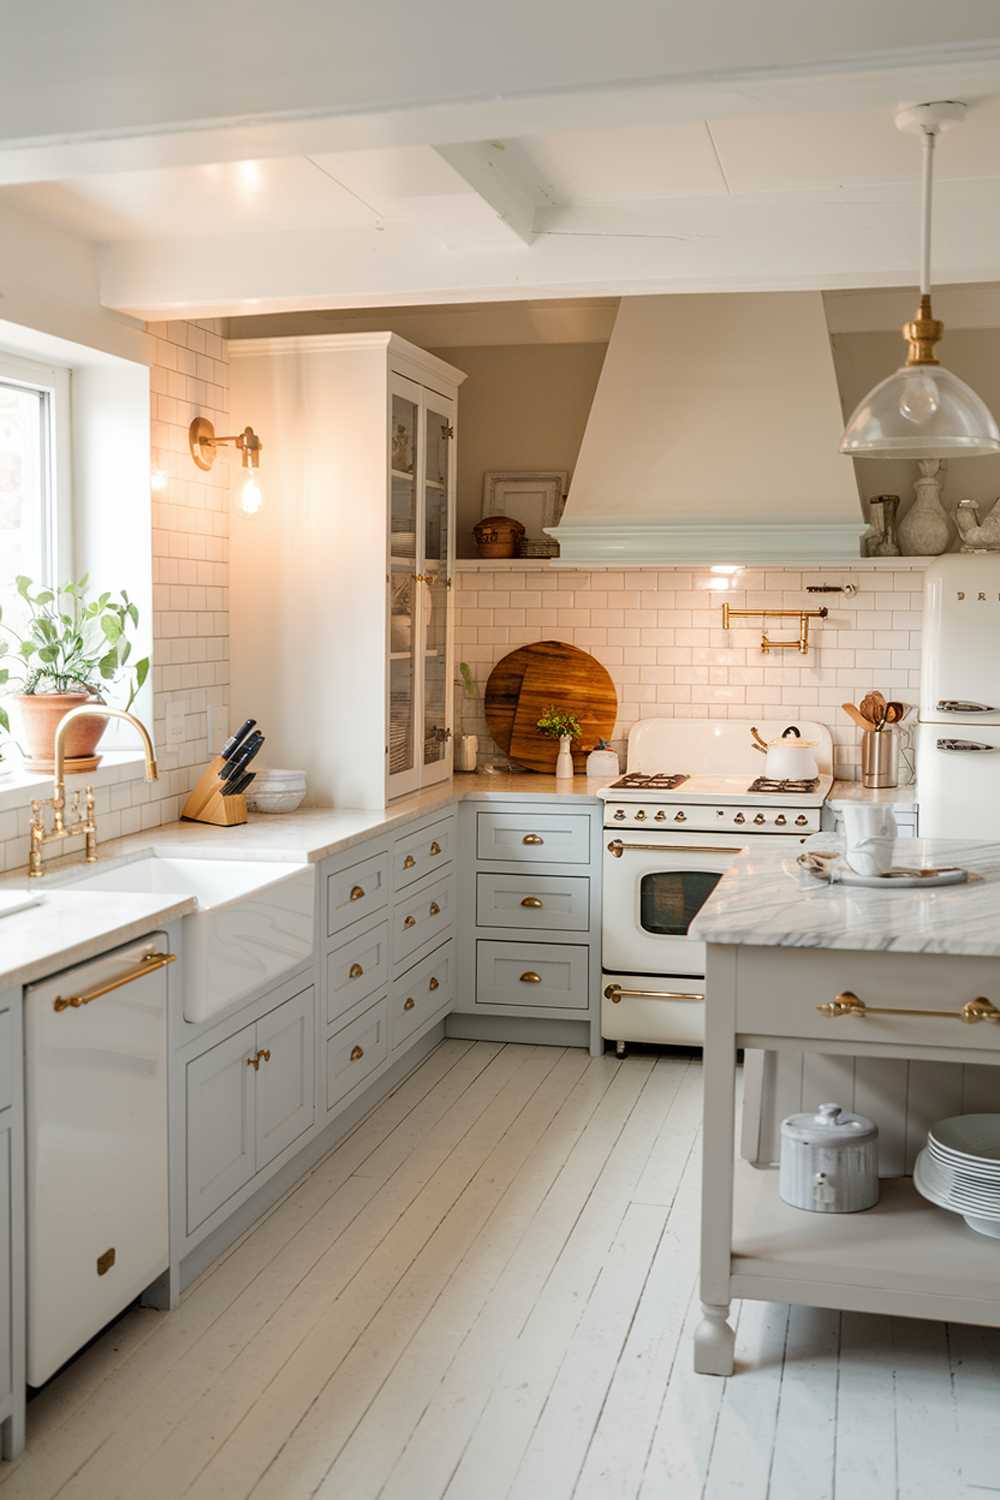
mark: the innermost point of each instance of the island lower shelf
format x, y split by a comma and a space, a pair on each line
904, 1256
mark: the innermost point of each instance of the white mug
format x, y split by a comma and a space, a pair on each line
869, 838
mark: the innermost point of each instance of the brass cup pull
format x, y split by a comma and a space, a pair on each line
357, 892
530, 977
357, 1053
355, 971
435, 909
409, 1003
435, 847
435, 984
533, 903
410, 921
532, 838
409, 862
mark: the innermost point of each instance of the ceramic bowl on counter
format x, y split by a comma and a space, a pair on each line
276, 791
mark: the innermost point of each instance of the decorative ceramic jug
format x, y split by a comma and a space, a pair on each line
925, 530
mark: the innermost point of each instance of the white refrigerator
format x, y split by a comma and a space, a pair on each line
958, 735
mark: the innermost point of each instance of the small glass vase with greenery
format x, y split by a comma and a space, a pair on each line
564, 727
73, 648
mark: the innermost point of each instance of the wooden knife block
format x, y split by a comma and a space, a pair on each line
206, 804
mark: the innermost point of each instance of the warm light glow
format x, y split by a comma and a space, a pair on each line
251, 496
728, 568
250, 175
158, 480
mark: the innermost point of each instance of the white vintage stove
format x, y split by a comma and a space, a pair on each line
692, 799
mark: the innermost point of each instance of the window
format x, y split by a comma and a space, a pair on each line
33, 530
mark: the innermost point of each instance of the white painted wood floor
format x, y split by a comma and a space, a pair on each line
486, 1292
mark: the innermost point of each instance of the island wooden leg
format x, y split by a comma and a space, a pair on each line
714, 1340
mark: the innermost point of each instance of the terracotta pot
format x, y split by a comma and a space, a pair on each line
39, 713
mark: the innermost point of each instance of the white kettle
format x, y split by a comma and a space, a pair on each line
789, 758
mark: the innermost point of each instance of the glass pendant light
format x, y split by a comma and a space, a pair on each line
923, 410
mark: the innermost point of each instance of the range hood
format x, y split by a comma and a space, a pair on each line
713, 438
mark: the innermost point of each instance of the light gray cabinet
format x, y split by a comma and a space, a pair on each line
285, 1082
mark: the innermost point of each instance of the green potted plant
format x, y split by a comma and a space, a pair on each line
72, 650
565, 728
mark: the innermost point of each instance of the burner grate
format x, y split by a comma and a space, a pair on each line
768, 784
656, 781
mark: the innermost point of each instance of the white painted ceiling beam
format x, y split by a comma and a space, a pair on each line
487, 168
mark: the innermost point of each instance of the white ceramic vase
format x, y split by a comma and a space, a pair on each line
925, 530
564, 760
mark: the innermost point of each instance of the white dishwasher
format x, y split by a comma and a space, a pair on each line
95, 1043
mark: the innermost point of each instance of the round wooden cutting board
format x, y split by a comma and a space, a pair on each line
524, 683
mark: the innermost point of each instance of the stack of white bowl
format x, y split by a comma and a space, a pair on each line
276, 791
959, 1169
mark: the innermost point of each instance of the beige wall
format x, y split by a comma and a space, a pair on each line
523, 406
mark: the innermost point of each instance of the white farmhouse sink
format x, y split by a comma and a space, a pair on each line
253, 925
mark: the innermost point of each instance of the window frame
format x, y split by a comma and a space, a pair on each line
53, 383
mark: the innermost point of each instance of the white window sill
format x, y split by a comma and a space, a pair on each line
20, 787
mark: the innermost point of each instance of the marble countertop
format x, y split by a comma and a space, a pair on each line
902, 797
764, 902
68, 927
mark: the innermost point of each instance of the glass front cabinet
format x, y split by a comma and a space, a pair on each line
420, 568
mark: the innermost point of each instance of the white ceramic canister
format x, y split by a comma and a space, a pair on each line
603, 762
829, 1161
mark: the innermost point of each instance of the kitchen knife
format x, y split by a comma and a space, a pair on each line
243, 756
238, 784
235, 740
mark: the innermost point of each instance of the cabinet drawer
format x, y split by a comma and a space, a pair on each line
547, 976
426, 990
780, 990
534, 838
355, 1051
423, 853
6, 1058
420, 916
557, 902
357, 969
357, 892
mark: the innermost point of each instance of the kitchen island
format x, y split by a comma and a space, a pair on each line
799, 969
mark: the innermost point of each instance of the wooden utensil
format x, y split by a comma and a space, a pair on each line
857, 716
871, 706
894, 712
526, 681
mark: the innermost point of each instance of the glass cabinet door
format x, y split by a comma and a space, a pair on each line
404, 600
438, 542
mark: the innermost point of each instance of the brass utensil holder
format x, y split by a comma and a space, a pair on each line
206, 804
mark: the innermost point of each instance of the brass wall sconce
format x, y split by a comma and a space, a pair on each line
803, 616
204, 444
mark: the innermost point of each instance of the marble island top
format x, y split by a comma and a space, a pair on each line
764, 901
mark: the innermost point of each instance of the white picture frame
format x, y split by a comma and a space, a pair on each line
532, 496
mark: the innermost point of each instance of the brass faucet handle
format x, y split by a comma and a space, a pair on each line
76, 803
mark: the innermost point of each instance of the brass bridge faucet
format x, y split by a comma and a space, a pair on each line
85, 823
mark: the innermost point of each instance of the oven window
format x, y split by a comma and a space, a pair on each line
670, 900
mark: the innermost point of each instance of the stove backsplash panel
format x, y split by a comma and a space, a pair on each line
659, 633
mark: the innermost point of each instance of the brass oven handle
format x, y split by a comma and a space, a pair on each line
409, 862
530, 977
614, 993
409, 1003
435, 984
355, 971
410, 921
435, 847
534, 903
617, 848
847, 1003
148, 963
357, 891
357, 1053
532, 838
435, 909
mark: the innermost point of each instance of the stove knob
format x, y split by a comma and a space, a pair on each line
780, 821
739, 818
680, 817
661, 816
620, 815
640, 816
801, 820
759, 818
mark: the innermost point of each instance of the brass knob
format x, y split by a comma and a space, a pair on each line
739, 818
435, 909
801, 820
409, 862
355, 971
409, 1003
357, 892
759, 819
357, 1053
534, 903
780, 821
680, 817
640, 816
409, 921
530, 977
661, 816
266, 1054
532, 838
435, 847
435, 984
619, 817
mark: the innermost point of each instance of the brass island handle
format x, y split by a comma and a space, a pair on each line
530, 977
534, 903
847, 1003
532, 838
146, 965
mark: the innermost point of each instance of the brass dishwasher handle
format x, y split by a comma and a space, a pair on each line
435, 847
357, 1053
534, 903
355, 972
409, 1003
147, 965
614, 993
617, 848
847, 1003
532, 838
530, 977
357, 891
410, 921
409, 862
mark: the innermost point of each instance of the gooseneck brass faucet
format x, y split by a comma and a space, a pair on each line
85, 823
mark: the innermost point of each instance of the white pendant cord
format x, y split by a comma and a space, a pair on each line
928, 139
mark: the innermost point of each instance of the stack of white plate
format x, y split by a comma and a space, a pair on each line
959, 1169
276, 791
